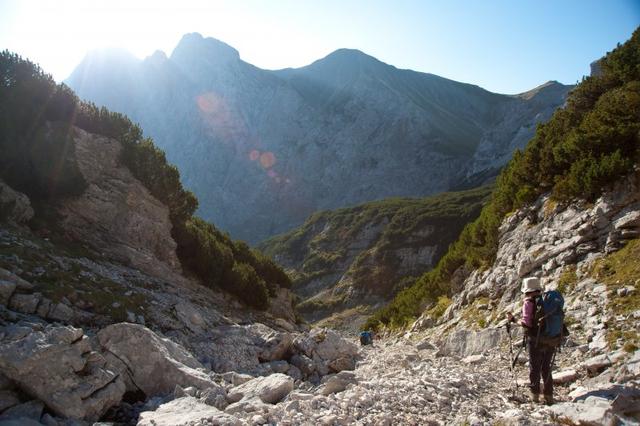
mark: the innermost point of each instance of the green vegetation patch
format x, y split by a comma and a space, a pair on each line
568, 279
477, 315
440, 307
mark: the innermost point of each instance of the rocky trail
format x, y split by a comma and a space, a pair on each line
398, 381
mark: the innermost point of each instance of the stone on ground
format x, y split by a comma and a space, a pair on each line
186, 411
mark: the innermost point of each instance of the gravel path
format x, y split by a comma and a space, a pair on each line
399, 384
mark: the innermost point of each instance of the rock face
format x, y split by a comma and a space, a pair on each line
15, 207
262, 149
116, 213
56, 365
151, 364
544, 240
359, 256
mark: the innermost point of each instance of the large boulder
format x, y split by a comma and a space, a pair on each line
271, 389
186, 411
152, 364
328, 350
56, 365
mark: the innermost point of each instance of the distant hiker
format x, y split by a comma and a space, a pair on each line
366, 338
542, 318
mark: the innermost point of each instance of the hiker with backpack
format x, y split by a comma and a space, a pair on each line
542, 319
366, 338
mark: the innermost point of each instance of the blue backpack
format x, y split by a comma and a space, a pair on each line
366, 338
552, 311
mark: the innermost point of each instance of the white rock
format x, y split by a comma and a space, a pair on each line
597, 363
271, 389
247, 405
474, 359
186, 411
566, 376
592, 411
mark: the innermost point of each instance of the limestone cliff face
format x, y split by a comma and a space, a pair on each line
263, 149
116, 214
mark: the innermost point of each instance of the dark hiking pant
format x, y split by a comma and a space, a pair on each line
540, 367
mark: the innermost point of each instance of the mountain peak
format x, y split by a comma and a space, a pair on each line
194, 45
344, 56
548, 87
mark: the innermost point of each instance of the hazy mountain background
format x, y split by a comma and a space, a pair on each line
264, 149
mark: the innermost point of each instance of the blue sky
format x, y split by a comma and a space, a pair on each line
504, 46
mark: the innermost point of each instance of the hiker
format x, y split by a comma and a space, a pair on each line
366, 338
541, 348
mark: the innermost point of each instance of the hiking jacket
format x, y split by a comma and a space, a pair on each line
529, 320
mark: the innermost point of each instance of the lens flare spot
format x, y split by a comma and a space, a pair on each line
267, 160
272, 174
209, 103
254, 155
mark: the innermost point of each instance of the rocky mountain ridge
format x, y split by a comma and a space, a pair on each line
265, 149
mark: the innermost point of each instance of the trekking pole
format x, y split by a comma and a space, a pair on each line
513, 371
553, 360
522, 346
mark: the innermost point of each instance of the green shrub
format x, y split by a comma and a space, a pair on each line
440, 307
568, 279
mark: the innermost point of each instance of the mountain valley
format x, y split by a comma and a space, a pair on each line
119, 305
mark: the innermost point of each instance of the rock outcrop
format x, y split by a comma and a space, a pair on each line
116, 214
546, 238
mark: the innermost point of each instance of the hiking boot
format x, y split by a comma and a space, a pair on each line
548, 399
535, 398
